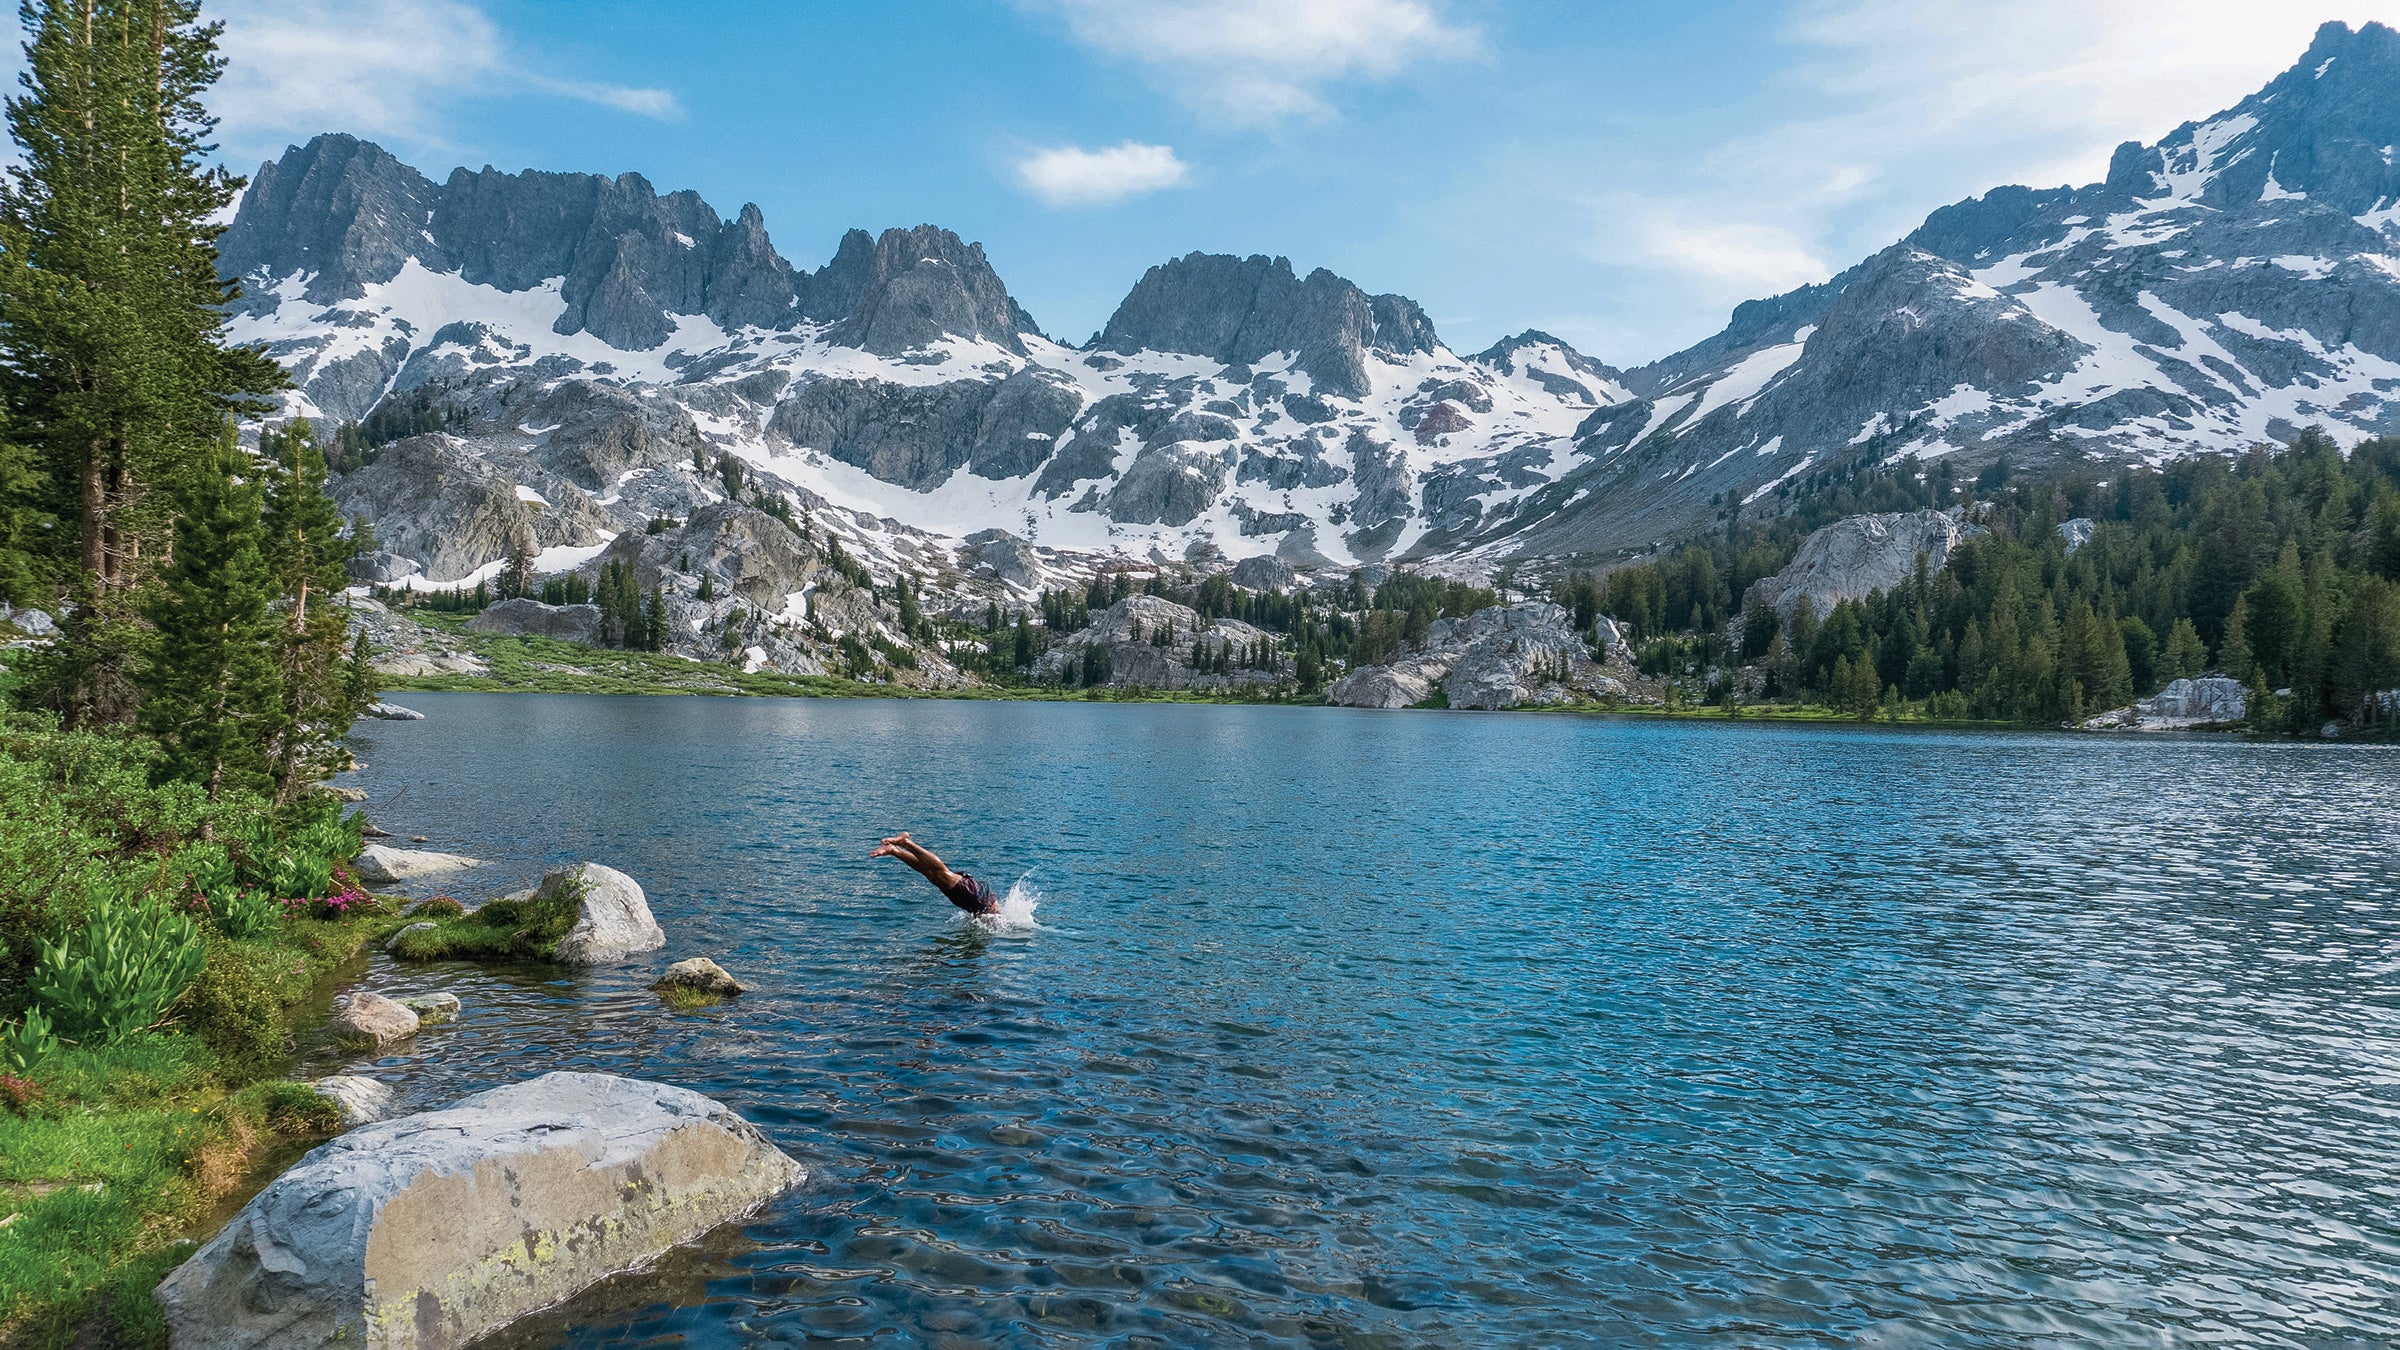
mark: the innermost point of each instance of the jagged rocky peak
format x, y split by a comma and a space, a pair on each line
340, 211
909, 288
2324, 130
630, 264
1241, 310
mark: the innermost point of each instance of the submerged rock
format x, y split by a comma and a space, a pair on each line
430, 1008
373, 1020
383, 865
700, 975
428, 1231
615, 922
360, 1099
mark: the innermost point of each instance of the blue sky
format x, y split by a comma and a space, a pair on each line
1619, 173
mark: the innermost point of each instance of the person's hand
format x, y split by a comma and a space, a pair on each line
885, 850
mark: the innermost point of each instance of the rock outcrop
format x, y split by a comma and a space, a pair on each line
2210, 701
1854, 558
615, 921
1507, 656
521, 617
1148, 642
448, 511
383, 865
428, 1231
392, 712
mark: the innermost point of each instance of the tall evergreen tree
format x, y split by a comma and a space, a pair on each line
113, 364
307, 560
211, 694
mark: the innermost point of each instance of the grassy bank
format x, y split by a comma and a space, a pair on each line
550, 666
157, 952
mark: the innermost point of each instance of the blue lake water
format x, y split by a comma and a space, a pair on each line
1348, 1028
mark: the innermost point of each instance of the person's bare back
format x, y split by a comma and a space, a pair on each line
958, 888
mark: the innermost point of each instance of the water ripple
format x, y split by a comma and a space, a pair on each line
1358, 1029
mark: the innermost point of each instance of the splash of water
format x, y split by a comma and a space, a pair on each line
1016, 908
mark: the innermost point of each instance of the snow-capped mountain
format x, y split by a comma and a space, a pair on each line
1229, 402
2229, 285
601, 348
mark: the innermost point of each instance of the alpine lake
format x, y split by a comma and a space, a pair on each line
1320, 1027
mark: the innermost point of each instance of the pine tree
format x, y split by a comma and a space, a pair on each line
359, 682
2233, 654
306, 559
113, 362
2186, 655
612, 623
516, 571
629, 604
210, 695
708, 587
654, 621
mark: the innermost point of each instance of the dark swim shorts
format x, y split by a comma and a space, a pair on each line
971, 895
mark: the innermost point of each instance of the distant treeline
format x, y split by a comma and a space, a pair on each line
2280, 569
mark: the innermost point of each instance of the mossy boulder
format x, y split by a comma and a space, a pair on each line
581, 915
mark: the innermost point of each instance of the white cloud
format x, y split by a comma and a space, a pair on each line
1736, 257
388, 68
1069, 175
1884, 110
1256, 62
2058, 83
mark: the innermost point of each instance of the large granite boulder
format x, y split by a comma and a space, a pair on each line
428, 1231
1394, 686
2209, 700
615, 922
1265, 573
383, 865
531, 618
1854, 558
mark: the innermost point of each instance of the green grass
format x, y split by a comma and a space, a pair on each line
112, 1152
124, 1149
502, 929
550, 666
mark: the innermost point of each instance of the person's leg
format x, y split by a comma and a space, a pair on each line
916, 855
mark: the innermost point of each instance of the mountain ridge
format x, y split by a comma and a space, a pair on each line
2225, 285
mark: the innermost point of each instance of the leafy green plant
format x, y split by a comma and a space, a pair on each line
130, 963
236, 1006
26, 1042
